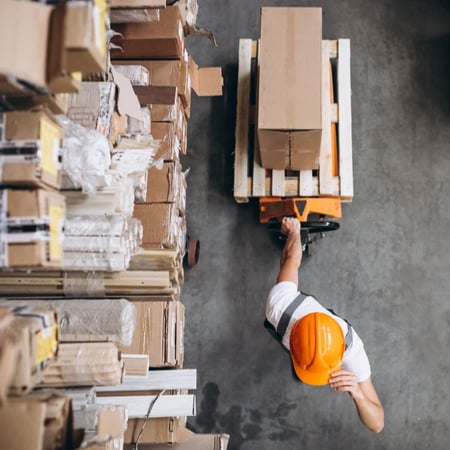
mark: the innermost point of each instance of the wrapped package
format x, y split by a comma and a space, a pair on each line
82, 320
84, 364
85, 157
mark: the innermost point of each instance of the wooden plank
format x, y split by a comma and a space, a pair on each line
259, 173
306, 183
345, 119
278, 189
325, 159
242, 121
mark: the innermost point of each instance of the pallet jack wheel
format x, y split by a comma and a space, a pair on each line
192, 251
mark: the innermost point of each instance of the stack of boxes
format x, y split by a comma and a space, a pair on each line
90, 149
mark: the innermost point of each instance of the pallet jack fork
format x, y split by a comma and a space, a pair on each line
273, 209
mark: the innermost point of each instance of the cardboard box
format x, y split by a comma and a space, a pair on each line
162, 183
48, 419
168, 73
163, 228
161, 40
289, 90
85, 40
24, 131
170, 145
93, 106
164, 430
34, 332
24, 45
189, 440
159, 332
34, 228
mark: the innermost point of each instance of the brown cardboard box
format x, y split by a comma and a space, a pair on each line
164, 430
159, 332
189, 440
162, 40
24, 31
289, 91
85, 37
168, 73
93, 106
36, 128
170, 143
163, 228
31, 246
163, 184
34, 332
48, 419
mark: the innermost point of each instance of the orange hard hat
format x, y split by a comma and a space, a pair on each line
317, 346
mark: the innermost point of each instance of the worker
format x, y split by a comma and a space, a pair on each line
324, 348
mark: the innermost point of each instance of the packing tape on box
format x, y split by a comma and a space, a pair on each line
84, 284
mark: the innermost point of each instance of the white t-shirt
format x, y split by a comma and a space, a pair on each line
281, 295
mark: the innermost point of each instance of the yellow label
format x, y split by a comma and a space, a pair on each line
56, 214
100, 9
46, 344
50, 137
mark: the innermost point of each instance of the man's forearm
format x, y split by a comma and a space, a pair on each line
292, 249
370, 413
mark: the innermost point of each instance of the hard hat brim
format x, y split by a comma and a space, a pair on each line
313, 378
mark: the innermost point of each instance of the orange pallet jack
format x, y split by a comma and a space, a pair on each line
314, 214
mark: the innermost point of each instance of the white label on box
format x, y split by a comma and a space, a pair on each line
20, 238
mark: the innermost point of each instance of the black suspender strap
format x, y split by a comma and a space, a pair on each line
287, 314
349, 334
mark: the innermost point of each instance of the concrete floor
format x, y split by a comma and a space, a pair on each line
386, 269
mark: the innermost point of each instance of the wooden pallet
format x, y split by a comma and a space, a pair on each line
252, 180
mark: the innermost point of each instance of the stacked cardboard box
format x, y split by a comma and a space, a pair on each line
140, 118
289, 101
31, 335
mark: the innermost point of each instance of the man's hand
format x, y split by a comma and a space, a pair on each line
290, 225
345, 381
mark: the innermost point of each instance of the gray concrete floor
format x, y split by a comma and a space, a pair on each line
386, 269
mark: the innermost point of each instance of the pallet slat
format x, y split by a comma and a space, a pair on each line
345, 118
242, 120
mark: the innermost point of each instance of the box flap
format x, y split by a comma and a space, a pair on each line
127, 101
205, 81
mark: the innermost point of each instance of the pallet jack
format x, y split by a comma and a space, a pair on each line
314, 214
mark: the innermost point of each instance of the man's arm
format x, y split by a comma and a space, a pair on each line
291, 256
364, 396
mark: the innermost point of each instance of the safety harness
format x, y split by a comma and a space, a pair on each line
287, 316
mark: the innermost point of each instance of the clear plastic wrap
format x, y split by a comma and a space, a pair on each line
138, 75
84, 364
101, 242
88, 319
85, 157
142, 126
134, 164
